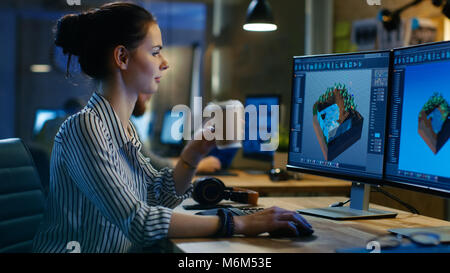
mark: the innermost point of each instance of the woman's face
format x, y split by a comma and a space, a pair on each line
147, 63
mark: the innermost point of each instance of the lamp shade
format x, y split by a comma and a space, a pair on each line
259, 17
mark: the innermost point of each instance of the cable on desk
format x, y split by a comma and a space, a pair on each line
339, 204
393, 197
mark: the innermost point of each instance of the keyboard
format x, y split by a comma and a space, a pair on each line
234, 211
244, 211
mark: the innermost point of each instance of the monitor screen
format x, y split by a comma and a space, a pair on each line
167, 136
251, 148
43, 115
143, 125
418, 152
338, 114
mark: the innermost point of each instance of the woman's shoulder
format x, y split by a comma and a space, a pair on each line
81, 123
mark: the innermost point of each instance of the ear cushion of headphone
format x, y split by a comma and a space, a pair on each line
208, 190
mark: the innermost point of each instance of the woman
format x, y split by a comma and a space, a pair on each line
104, 194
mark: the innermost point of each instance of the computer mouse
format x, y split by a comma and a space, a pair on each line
302, 232
278, 174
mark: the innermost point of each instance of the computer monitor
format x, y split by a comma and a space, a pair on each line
338, 124
143, 125
418, 147
251, 148
167, 136
418, 151
43, 115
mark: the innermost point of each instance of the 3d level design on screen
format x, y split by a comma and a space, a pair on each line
434, 122
336, 122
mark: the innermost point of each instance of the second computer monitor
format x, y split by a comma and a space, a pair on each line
43, 115
418, 153
168, 136
251, 148
143, 125
338, 115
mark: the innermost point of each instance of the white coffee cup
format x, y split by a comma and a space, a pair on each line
228, 123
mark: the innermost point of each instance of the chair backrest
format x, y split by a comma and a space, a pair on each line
42, 162
22, 200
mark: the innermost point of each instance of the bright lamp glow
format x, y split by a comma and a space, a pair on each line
260, 27
40, 68
259, 17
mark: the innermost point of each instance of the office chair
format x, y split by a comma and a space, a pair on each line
22, 200
42, 163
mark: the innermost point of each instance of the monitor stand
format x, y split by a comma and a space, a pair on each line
358, 209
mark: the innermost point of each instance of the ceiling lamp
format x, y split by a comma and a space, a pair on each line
259, 17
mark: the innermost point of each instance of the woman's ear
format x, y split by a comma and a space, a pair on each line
121, 57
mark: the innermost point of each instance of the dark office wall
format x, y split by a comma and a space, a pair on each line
258, 63
41, 90
7, 72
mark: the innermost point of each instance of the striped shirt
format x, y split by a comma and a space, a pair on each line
104, 194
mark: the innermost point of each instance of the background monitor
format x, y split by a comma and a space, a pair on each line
43, 115
166, 133
143, 125
418, 151
252, 148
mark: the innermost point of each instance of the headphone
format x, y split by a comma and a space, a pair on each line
211, 190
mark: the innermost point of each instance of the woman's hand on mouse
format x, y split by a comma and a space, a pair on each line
274, 220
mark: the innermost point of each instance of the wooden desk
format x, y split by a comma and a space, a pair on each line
328, 235
308, 185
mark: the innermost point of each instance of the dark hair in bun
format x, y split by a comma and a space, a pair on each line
93, 34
